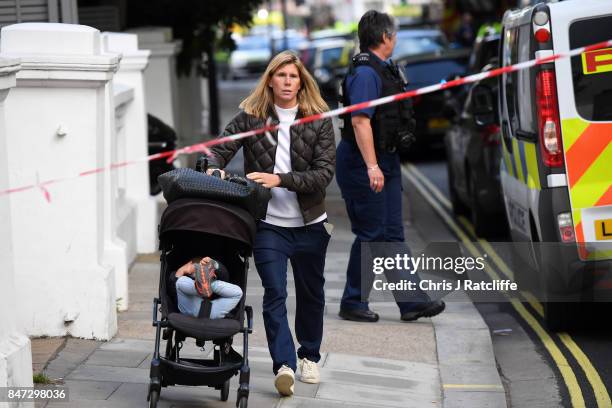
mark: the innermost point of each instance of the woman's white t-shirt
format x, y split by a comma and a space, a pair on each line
283, 207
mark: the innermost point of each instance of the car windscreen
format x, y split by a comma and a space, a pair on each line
432, 72
293, 43
409, 45
331, 56
592, 71
252, 43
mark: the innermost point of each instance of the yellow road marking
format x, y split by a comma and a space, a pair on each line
564, 368
599, 389
537, 306
601, 393
569, 377
435, 190
487, 247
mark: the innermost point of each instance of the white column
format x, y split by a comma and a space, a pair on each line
161, 90
130, 73
59, 121
190, 130
15, 350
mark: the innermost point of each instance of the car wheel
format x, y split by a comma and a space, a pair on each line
459, 208
486, 224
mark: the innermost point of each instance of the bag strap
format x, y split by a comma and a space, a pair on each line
205, 308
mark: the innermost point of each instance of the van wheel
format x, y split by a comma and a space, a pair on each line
458, 207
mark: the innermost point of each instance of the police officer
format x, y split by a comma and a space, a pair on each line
368, 166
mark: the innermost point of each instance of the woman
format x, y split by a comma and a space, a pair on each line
298, 168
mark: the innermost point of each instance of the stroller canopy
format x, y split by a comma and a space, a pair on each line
208, 217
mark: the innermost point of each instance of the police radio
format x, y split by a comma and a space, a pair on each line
405, 136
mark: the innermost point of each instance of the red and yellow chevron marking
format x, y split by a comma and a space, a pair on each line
588, 159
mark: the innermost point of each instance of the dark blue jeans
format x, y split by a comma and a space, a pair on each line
375, 217
305, 247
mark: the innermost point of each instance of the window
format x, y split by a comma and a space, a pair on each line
331, 57
510, 57
525, 102
518, 87
592, 72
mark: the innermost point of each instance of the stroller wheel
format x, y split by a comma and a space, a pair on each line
225, 391
243, 402
153, 398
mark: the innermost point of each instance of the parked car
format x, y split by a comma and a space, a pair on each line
473, 152
253, 52
427, 69
419, 41
484, 51
327, 60
294, 41
250, 57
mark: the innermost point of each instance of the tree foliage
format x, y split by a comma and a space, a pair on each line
200, 24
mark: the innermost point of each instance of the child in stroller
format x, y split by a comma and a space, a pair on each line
211, 277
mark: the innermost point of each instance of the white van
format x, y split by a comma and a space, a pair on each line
556, 170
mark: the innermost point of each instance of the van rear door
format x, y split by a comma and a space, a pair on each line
585, 107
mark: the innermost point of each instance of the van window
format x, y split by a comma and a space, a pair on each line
592, 71
510, 57
525, 84
518, 86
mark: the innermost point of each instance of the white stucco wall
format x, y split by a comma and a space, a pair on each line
15, 349
65, 252
133, 139
160, 78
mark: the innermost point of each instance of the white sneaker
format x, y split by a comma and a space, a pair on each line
309, 371
284, 381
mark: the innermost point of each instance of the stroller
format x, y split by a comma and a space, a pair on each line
226, 232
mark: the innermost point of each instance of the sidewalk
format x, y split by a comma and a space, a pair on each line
445, 361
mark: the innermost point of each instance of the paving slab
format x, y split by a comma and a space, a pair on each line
104, 373
90, 390
117, 358
297, 402
481, 399
377, 396
382, 367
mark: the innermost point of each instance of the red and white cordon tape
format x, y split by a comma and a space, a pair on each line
205, 146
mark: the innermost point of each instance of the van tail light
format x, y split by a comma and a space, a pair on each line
490, 135
566, 227
542, 35
548, 118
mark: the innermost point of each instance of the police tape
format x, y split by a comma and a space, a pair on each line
204, 147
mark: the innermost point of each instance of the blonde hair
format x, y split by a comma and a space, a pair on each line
261, 101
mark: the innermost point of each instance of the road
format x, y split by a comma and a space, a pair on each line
580, 360
539, 368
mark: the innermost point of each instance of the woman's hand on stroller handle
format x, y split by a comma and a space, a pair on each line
267, 180
216, 172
